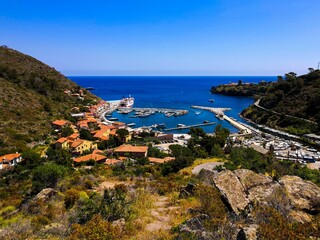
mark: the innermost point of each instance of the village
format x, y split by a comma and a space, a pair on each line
90, 139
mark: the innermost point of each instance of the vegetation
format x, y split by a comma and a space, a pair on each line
31, 94
241, 89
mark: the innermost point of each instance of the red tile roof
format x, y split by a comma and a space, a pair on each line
9, 157
92, 156
130, 148
61, 140
161, 160
60, 123
76, 143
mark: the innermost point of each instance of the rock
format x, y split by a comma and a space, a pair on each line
248, 233
251, 179
304, 197
303, 194
261, 194
121, 223
207, 176
45, 194
194, 229
232, 191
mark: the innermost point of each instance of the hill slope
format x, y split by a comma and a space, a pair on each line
293, 95
31, 95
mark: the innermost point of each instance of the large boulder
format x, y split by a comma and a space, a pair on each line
304, 195
244, 188
232, 191
257, 186
194, 229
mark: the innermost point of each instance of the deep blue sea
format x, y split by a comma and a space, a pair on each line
172, 92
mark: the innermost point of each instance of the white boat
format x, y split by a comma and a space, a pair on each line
211, 100
180, 125
131, 124
126, 102
197, 113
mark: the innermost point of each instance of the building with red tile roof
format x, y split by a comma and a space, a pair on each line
95, 155
10, 160
60, 123
160, 160
135, 151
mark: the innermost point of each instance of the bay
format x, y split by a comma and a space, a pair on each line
172, 92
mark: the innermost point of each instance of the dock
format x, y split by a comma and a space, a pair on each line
190, 126
220, 113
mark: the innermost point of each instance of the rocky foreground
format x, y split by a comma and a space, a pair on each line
243, 190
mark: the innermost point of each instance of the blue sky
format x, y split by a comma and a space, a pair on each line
166, 37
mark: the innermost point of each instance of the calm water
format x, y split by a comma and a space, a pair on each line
171, 92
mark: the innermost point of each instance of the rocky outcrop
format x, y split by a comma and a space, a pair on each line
303, 195
232, 191
248, 232
45, 194
244, 188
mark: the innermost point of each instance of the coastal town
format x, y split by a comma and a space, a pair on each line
87, 137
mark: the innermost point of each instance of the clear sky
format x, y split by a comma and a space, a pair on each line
166, 37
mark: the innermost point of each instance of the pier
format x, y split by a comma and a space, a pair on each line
220, 114
190, 126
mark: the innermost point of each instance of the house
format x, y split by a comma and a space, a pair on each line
160, 160
101, 135
79, 146
73, 136
10, 160
96, 155
59, 124
62, 143
165, 137
134, 151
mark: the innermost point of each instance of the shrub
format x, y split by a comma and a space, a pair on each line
47, 176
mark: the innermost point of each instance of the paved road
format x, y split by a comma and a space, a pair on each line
207, 166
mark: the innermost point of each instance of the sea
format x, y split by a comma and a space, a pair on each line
174, 93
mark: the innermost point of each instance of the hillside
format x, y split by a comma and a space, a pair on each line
31, 95
288, 101
241, 89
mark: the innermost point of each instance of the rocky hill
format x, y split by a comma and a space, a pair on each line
31, 95
288, 101
256, 202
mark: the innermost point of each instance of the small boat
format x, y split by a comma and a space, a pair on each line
205, 121
180, 125
90, 88
197, 113
211, 100
113, 119
131, 124
161, 125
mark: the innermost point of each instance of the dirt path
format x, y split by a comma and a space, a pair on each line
160, 215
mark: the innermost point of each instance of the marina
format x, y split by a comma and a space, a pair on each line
146, 112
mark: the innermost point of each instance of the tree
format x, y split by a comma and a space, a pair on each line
122, 134
47, 176
31, 159
59, 156
66, 131
85, 134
